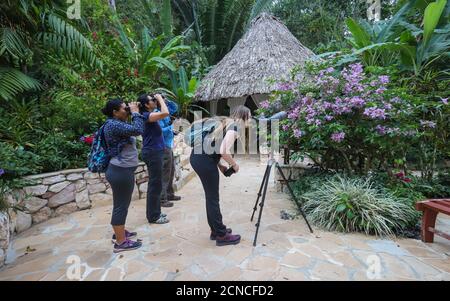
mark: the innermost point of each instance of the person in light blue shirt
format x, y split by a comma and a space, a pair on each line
167, 193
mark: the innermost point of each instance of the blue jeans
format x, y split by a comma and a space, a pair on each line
154, 161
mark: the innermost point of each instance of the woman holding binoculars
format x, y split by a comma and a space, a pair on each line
153, 152
120, 137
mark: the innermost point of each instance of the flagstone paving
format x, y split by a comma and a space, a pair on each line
181, 250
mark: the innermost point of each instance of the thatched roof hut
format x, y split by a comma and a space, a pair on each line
268, 51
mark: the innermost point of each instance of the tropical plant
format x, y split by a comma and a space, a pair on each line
354, 204
182, 90
146, 52
30, 30
397, 41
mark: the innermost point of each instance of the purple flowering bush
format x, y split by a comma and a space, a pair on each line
354, 119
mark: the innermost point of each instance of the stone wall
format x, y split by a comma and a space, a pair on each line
292, 172
67, 191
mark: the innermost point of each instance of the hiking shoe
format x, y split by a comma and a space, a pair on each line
128, 235
127, 245
166, 204
161, 220
228, 239
173, 198
213, 235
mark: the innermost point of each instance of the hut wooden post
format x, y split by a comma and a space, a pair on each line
213, 107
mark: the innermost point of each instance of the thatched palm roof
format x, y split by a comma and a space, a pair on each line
267, 51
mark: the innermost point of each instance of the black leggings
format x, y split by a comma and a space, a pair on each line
121, 180
206, 168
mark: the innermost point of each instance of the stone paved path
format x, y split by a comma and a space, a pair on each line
181, 250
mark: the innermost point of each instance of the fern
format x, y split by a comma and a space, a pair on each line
12, 43
13, 82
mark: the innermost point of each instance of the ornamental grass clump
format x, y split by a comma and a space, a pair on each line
355, 205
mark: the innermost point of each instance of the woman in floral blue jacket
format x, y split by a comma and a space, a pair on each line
120, 137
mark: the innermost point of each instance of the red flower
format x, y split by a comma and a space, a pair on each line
89, 139
136, 73
400, 174
95, 36
406, 180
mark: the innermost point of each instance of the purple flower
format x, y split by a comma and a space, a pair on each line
328, 117
375, 113
384, 79
356, 68
388, 106
380, 90
298, 133
285, 86
353, 77
396, 100
329, 70
294, 113
444, 100
338, 137
357, 102
381, 130
265, 104
2, 171
285, 127
428, 124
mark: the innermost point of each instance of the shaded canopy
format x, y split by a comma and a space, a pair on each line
268, 51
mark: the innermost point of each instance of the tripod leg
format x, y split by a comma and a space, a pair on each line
260, 190
293, 196
263, 199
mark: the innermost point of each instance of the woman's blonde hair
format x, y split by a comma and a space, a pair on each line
241, 112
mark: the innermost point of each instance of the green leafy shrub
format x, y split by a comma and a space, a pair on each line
56, 153
355, 205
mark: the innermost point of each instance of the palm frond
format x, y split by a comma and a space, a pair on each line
12, 43
67, 40
13, 82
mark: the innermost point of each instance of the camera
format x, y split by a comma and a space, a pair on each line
229, 172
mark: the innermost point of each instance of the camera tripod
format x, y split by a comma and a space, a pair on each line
263, 189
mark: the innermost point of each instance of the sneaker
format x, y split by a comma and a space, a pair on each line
127, 245
161, 220
173, 198
128, 235
214, 235
228, 239
166, 204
